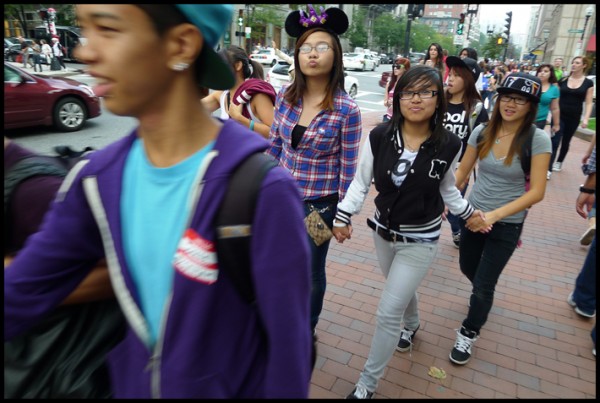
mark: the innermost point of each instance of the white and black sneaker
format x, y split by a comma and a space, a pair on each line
360, 392
456, 239
406, 336
557, 166
461, 353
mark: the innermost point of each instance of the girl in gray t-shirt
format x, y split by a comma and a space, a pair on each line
488, 240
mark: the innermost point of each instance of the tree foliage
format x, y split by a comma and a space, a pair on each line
65, 14
357, 33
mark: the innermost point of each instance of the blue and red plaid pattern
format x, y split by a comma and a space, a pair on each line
325, 160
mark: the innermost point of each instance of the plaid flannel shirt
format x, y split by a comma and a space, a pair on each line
325, 160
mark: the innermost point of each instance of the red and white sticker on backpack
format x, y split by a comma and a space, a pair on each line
196, 258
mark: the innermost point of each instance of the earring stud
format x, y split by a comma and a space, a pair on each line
180, 66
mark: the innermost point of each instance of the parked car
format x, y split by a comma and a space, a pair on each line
33, 100
415, 57
278, 76
266, 56
385, 76
359, 61
388, 58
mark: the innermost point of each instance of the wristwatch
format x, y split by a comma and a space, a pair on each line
583, 189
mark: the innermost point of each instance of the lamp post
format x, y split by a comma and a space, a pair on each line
589, 11
546, 33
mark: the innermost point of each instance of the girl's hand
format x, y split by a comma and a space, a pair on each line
235, 111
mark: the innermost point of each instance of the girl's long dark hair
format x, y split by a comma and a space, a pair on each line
417, 78
552, 79
336, 76
471, 95
439, 63
494, 126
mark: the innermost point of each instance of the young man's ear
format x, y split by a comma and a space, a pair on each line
185, 43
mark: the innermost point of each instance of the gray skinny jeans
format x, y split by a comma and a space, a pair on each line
404, 266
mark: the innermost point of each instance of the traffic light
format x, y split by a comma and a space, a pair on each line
410, 11
241, 18
461, 24
508, 22
499, 41
415, 11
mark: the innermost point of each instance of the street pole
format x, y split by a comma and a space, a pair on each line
407, 38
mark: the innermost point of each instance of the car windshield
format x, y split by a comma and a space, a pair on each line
264, 52
355, 55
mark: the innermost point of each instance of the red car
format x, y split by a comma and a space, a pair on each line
33, 100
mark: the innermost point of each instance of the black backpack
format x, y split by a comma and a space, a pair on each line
234, 226
36, 165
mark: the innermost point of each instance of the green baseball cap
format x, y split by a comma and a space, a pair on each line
213, 20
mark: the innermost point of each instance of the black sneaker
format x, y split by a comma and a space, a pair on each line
405, 342
461, 353
360, 392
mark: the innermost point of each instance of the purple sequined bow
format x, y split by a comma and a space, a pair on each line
312, 19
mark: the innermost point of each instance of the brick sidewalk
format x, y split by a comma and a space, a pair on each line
533, 345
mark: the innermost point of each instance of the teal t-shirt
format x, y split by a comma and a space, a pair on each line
544, 106
154, 209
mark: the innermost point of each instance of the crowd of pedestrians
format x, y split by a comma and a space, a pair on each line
147, 204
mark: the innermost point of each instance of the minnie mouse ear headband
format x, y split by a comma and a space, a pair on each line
332, 19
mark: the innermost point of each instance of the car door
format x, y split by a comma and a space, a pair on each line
24, 100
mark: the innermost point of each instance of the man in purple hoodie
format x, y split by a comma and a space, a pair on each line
148, 204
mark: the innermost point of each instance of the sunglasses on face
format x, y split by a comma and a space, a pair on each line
398, 66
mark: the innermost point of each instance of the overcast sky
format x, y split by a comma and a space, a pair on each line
495, 14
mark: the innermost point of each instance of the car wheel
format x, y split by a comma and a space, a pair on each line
353, 91
69, 114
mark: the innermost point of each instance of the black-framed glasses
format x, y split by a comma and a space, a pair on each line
397, 66
518, 100
321, 48
408, 95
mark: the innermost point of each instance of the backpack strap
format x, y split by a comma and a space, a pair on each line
234, 222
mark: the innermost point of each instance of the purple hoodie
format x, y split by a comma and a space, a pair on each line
213, 345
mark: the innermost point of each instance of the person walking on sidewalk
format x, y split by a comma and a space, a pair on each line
500, 192
464, 111
58, 52
575, 90
149, 202
317, 128
590, 232
548, 103
583, 297
47, 52
400, 66
412, 159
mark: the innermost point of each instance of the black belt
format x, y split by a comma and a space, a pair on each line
390, 236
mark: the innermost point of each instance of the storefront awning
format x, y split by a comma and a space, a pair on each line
591, 46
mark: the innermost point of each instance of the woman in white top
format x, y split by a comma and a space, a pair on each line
259, 109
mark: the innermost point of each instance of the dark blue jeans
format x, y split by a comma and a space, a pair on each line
319, 258
455, 220
568, 127
585, 284
482, 259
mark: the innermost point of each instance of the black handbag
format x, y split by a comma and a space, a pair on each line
65, 355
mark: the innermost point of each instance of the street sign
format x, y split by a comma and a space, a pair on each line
459, 39
576, 31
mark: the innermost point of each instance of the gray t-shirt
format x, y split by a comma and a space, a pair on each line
498, 184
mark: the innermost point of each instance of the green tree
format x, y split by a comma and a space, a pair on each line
357, 33
65, 15
387, 30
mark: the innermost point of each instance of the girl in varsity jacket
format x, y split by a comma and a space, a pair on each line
412, 159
